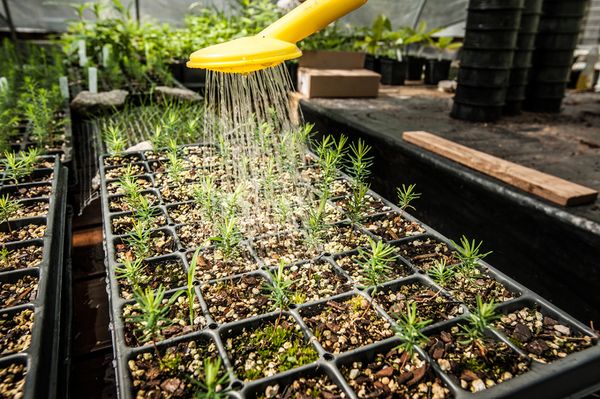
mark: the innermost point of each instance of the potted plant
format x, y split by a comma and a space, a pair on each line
438, 69
415, 40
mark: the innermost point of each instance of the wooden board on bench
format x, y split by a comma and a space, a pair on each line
551, 188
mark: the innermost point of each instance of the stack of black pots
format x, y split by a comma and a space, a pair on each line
519, 75
556, 41
486, 59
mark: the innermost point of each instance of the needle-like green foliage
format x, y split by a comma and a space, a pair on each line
132, 271
8, 208
114, 139
478, 321
211, 385
376, 262
406, 195
468, 252
440, 272
153, 313
190, 290
139, 239
409, 329
279, 288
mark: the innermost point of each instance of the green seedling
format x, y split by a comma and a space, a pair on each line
376, 262
207, 197
132, 271
16, 167
153, 313
409, 329
114, 140
8, 208
441, 272
144, 212
406, 195
191, 292
211, 385
478, 321
279, 287
468, 252
228, 235
175, 167
139, 240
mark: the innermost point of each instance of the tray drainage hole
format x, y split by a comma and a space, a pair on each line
328, 356
213, 326
172, 225
183, 250
293, 306
237, 385
327, 254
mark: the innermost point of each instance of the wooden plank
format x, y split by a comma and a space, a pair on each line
88, 237
551, 188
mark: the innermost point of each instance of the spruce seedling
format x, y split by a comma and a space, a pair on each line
139, 239
409, 329
406, 195
14, 167
113, 137
440, 272
207, 197
4, 255
191, 292
468, 252
132, 271
175, 167
279, 288
478, 321
228, 234
8, 208
144, 212
211, 385
376, 262
153, 316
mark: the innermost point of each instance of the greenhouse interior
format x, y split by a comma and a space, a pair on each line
299, 199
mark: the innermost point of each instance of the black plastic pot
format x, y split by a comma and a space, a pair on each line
554, 58
562, 25
529, 23
564, 9
495, 4
557, 41
436, 71
491, 39
501, 19
42, 357
497, 59
550, 74
483, 77
522, 59
176, 68
393, 72
485, 96
526, 41
373, 63
519, 77
415, 67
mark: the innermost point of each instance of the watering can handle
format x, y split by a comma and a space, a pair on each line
308, 18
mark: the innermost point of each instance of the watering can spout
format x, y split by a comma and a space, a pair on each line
275, 44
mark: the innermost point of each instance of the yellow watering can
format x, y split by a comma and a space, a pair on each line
275, 44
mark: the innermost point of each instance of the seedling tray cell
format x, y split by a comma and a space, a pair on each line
419, 245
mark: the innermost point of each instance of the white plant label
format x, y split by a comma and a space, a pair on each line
82, 52
93, 80
3, 84
106, 55
63, 83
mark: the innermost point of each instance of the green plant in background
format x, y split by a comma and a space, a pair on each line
190, 290
376, 262
409, 329
411, 38
153, 313
469, 253
377, 39
359, 169
406, 195
478, 321
132, 271
8, 208
279, 288
444, 44
211, 386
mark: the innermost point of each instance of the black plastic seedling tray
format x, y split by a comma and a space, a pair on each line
573, 376
41, 357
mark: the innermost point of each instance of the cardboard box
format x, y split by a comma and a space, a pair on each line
338, 83
336, 74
